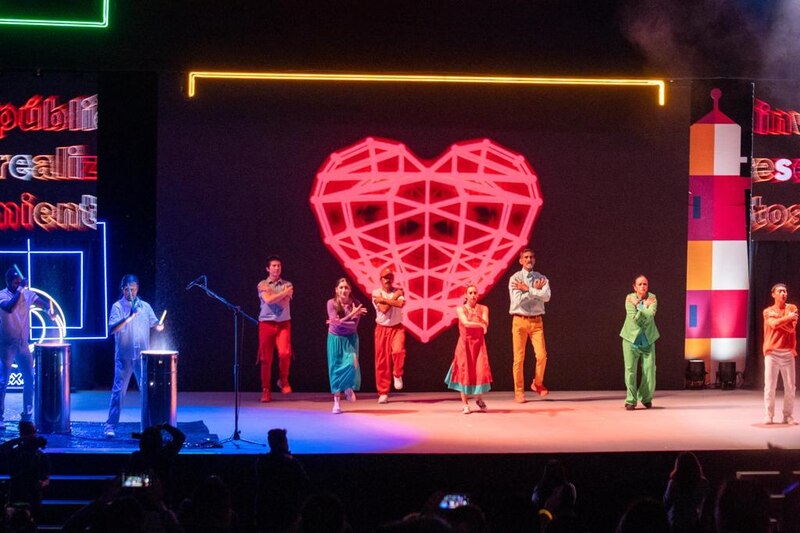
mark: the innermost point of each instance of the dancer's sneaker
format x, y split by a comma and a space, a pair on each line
383, 398
337, 410
398, 382
541, 390
481, 405
285, 387
350, 395
466, 410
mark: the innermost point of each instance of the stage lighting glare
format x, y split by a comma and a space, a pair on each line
695, 374
427, 78
726, 375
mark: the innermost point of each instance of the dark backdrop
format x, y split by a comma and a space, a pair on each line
235, 169
773, 256
126, 190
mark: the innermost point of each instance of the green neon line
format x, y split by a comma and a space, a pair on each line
62, 23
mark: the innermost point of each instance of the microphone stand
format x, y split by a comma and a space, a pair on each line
237, 312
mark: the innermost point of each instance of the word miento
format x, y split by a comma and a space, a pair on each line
29, 213
68, 163
769, 121
42, 113
774, 217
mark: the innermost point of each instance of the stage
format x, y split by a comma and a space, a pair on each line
383, 461
432, 423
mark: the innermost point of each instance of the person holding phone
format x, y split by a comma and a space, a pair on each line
156, 454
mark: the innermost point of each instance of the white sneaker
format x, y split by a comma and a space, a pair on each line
466, 410
789, 420
109, 433
768, 420
383, 398
350, 395
398, 383
336, 409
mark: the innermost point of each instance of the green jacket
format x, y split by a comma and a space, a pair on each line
640, 319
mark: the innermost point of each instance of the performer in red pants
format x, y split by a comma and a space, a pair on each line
390, 335
274, 327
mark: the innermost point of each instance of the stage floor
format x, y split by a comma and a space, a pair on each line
432, 423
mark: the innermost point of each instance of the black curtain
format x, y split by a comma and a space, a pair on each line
771, 262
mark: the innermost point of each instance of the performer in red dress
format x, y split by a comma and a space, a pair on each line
470, 373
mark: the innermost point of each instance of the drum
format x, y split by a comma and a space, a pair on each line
51, 401
159, 388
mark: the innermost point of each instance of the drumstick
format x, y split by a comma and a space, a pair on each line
163, 316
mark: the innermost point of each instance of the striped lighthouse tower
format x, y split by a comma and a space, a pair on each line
717, 264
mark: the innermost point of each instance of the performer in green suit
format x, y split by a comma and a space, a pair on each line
639, 334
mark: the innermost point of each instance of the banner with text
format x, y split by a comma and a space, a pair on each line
775, 201
49, 230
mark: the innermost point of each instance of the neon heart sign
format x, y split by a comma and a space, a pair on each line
459, 219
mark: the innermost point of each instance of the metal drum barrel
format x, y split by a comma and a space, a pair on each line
159, 387
51, 401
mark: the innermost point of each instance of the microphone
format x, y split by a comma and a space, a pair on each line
195, 281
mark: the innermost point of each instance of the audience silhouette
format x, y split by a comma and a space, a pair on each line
28, 466
282, 485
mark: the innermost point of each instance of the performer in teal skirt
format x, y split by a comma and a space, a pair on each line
470, 373
344, 371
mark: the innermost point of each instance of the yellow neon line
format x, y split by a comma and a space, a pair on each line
194, 77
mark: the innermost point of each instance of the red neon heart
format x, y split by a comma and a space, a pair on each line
460, 219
